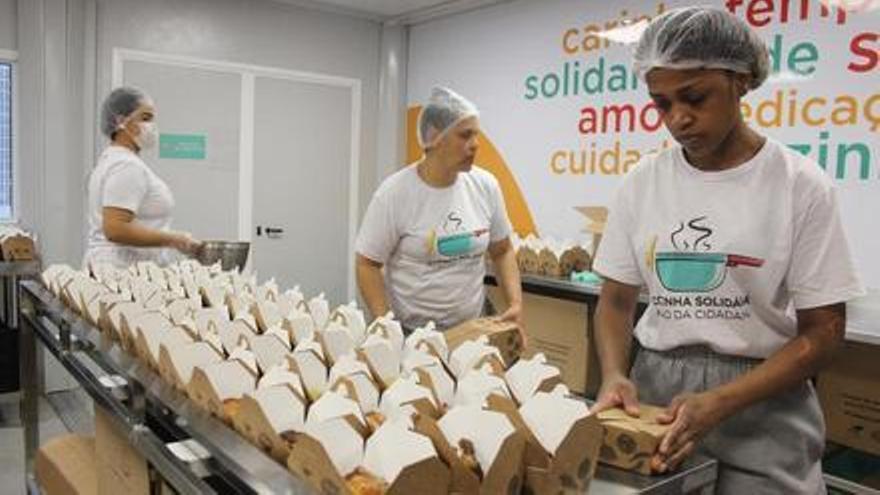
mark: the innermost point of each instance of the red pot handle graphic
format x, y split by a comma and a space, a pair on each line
737, 260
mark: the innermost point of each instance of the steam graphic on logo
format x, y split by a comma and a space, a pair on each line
693, 267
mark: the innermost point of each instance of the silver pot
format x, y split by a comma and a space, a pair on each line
230, 254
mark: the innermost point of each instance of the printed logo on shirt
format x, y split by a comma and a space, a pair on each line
692, 267
453, 241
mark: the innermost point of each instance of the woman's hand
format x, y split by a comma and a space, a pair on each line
514, 315
691, 417
184, 242
617, 391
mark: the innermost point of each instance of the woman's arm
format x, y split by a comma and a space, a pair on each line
371, 284
820, 331
119, 227
613, 326
504, 260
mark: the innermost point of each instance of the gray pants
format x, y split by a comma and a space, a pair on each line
772, 447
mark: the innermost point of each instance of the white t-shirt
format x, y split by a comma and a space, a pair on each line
122, 180
432, 242
728, 256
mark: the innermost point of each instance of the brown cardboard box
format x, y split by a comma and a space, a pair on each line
121, 469
527, 260
571, 465
503, 335
268, 413
631, 442
575, 259
849, 391
549, 263
558, 329
473, 425
18, 248
66, 466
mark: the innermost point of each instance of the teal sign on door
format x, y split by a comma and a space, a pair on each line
182, 146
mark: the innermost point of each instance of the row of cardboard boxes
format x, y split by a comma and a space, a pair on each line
352, 407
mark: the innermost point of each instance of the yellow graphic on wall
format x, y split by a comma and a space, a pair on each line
490, 159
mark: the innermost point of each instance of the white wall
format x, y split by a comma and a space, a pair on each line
8, 25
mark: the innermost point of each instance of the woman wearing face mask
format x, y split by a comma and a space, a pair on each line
739, 242
431, 224
130, 207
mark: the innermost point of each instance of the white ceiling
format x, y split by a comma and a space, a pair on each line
395, 10
385, 8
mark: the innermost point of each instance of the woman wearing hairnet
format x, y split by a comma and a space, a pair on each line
129, 208
739, 242
431, 224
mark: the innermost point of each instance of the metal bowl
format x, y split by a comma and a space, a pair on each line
230, 254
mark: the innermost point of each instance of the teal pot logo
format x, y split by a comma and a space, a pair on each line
697, 272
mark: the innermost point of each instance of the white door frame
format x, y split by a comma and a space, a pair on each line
248, 74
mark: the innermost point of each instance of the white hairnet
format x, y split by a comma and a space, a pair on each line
444, 110
118, 106
702, 38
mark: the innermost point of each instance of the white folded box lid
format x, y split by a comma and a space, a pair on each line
403, 392
349, 316
229, 379
232, 333
386, 326
366, 392
476, 385
282, 408
169, 336
336, 340
289, 300
299, 325
334, 405
280, 374
319, 309
550, 416
181, 310
268, 291
343, 444
149, 321
384, 359
270, 349
214, 341
467, 356
214, 295
486, 430
428, 339
205, 317
186, 357
443, 385
266, 314
393, 447
246, 356
309, 360
526, 376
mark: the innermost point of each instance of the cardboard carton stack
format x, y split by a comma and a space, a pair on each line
550, 257
354, 407
17, 244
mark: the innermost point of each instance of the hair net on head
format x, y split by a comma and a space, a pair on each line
702, 38
118, 106
445, 109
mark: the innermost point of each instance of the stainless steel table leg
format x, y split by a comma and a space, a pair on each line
31, 390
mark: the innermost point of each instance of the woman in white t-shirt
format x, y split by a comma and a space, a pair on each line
129, 210
431, 224
740, 245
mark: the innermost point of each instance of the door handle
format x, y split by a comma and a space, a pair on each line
274, 232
